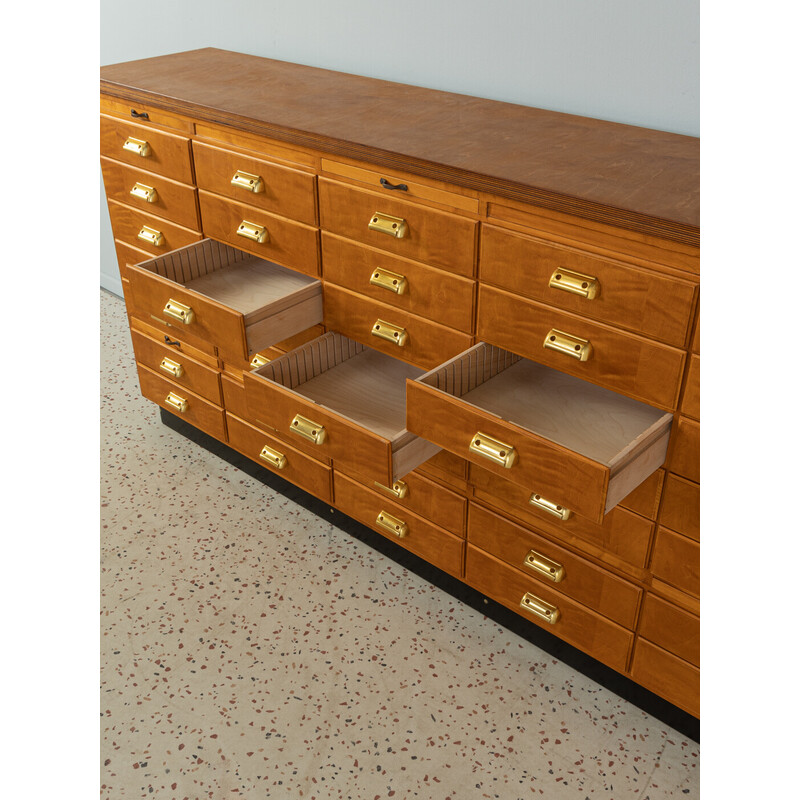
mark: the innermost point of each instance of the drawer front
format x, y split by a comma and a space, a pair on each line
197, 411
684, 456
206, 354
165, 153
667, 675
671, 627
151, 193
143, 114
127, 255
177, 367
287, 243
690, 404
680, 509
579, 626
553, 566
676, 560
233, 396
640, 301
130, 224
428, 541
445, 466
428, 292
424, 343
625, 363
278, 457
262, 184
433, 237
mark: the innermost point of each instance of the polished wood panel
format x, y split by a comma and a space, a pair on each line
680, 509
154, 115
127, 255
127, 223
206, 353
690, 404
447, 467
667, 675
671, 627
646, 497
684, 455
676, 560
233, 396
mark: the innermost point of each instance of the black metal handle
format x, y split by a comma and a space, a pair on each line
171, 343
386, 185
139, 114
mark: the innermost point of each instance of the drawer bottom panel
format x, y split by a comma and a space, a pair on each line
668, 676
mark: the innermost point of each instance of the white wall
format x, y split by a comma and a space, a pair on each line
631, 61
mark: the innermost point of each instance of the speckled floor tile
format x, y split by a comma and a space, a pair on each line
252, 650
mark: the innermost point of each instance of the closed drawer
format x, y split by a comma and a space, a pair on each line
399, 282
154, 235
667, 675
579, 626
684, 456
576, 445
278, 457
263, 184
554, 566
180, 401
602, 289
127, 255
445, 466
391, 330
146, 148
144, 114
638, 367
268, 236
151, 193
340, 400
201, 351
428, 541
680, 509
671, 627
676, 560
224, 296
690, 404
433, 237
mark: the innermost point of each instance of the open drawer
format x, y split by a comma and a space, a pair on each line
576, 446
236, 301
337, 398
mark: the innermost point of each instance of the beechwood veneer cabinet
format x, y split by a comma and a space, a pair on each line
469, 325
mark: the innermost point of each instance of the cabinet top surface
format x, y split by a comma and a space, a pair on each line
642, 179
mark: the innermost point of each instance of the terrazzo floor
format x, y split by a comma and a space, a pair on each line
250, 649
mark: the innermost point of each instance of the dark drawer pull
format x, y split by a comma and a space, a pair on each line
400, 186
139, 114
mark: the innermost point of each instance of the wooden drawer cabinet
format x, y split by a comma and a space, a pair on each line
154, 235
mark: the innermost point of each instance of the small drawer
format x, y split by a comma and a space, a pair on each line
670, 677
177, 367
676, 560
407, 285
577, 445
680, 508
341, 400
391, 330
201, 351
187, 405
554, 566
146, 148
445, 466
602, 289
684, 456
233, 396
671, 627
144, 114
278, 457
277, 239
690, 404
154, 235
428, 541
579, 626
262, 184
239, 302
151, 193
420, 233
638, 367
127, 255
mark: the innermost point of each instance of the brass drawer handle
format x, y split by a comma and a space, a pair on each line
384, 223
151, 236
550, 507
398, 489
272, 457
172, 368
308, 430
545, 566
244, 180
541, 609
391, 281
179, 311
575, 283
138, 146
259, 361
177, 402
256, 233
392, 525
391, 333
570, 345
146, 193
498, 453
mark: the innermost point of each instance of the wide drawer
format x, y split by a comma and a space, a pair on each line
278, 457
263, 184
436, 546
146, 232
638, 367
574, 623
340, 400
671, 627
420, 233
239, 302
578, 446
667, 675
680, 508
554, 566
602, 289
676, 560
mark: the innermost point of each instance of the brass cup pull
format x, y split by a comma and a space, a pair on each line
172, 368
540, 608
177, 402
537, 501
151, 236
498, 453
398, 489
308, 430
259, 360
392, 525
138, 146
573, 346
384, 223
391, 333
256, 233
146, 193
391, 281
272, 457
542, 565
575, 283
244, 180
179, 311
